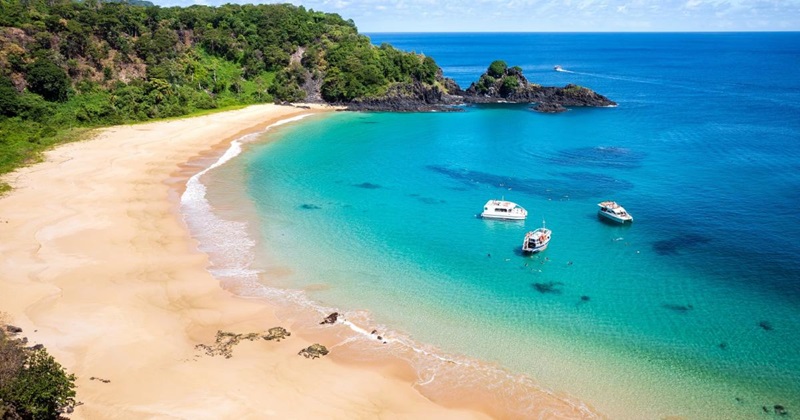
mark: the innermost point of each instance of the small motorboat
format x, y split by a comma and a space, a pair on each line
501, 209
558, 68
613, 211
536, 240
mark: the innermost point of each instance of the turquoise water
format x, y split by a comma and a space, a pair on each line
693, 310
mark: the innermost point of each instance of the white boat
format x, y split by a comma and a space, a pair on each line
500, 209
558, 68
536, 240
613, 211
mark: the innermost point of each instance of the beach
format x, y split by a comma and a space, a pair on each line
100, 267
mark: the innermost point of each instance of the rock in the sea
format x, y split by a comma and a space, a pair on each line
549, 108
501, 83
549, 287
313, 351
330, 319
277, 334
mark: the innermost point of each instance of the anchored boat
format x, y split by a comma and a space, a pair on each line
500, 209
613, 211
537, 240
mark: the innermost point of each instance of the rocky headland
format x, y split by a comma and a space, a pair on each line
499, 84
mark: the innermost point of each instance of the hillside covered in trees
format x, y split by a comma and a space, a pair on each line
67, 64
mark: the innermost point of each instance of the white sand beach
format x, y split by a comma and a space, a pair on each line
98, 266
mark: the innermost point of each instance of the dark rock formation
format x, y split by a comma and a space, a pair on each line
507, 85
411, 97
224, 343
549, 287
678, 308
549, 108
12, 329
501, 84
313, 351
330, 319
277, 334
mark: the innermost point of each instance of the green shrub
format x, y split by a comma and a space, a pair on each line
509, 85
48, 80
497, 68
32, 384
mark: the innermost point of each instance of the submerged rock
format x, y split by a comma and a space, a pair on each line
550, 287
277, 334
367, 186
549, 108
313, 351
765, 325
678, 308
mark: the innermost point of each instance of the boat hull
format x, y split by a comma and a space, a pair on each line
536, 241
534, 250
503, 217
614, 218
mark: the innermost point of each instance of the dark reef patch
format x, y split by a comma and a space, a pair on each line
598, 157
674, 245
576, 184
429, 200
549, 287
766, 325
598, 180
678, 308
367, 186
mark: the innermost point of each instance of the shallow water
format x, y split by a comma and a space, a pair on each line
692, 310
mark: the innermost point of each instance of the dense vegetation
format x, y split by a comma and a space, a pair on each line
67, 64
32, 384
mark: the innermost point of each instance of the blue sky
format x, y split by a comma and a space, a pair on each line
552, 15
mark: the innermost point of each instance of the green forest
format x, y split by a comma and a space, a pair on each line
69, 66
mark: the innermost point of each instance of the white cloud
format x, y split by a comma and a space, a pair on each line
551, 15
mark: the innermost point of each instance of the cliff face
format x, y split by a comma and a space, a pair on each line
413, 96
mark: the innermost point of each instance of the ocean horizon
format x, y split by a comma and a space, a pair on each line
692, 310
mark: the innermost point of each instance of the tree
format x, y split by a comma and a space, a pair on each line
42, 389
509, 85
48, 80
9, 98
497, 68
32, 384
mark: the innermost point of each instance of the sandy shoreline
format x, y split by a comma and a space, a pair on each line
99, 267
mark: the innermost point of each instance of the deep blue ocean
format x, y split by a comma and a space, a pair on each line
693, 310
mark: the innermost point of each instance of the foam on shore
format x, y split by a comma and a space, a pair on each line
439, 376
